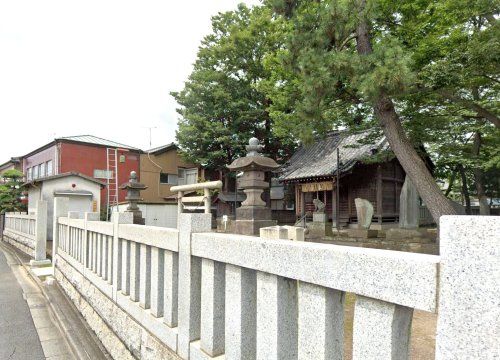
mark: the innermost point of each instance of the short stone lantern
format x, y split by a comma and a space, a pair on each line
134, 188
253, 213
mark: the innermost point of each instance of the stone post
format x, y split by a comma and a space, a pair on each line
118, 218
40, 235
189, 281
468, 324
207, 200
409, 209
241, 310
321, 322
88, 216
61, 205
277, 317
381, 330
70, 242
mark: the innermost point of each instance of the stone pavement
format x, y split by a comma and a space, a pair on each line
26, 328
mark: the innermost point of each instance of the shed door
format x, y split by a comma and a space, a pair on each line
161, 215
82, 204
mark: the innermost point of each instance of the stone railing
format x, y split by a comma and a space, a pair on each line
28, 232
152, 292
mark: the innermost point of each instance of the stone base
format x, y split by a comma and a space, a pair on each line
253, 212
398, 234
376, 226
252, 227
227, 227
320, 217
40, 263
362, 233
319, 229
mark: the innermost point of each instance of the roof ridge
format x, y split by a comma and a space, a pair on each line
79, 138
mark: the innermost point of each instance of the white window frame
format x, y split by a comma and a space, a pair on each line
41, 170
48, 165
183, 175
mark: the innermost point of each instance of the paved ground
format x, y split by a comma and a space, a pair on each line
26, 329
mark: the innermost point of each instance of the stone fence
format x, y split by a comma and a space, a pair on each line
28, 232
153, 293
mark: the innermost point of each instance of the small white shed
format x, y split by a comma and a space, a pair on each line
84, 194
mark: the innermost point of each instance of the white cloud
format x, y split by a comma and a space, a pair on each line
96, 67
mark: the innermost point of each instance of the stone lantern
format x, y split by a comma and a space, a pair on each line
134, 188
253, 213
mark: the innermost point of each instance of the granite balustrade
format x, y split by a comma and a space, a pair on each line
28, 232
195, 294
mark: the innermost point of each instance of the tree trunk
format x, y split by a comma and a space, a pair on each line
484, 207
390, 122
465, 189
451, 182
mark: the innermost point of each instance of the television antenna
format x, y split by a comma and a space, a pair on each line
150, 134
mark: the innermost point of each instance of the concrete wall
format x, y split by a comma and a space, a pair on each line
163, 215
169, 162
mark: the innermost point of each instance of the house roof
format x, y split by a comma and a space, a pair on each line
12, 161
161, 149
91, 139
63, 175
320, 158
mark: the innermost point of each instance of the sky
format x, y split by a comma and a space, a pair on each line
98, 67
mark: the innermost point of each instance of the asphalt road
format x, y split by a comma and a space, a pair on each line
18, 336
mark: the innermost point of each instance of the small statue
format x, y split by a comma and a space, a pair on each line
319, 206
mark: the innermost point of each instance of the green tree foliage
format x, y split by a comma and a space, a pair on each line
421, 71
221, 103
11, 191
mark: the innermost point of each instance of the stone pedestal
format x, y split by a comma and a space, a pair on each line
320, 217
252, 227
319, 229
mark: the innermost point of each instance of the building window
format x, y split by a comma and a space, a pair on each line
35, 172
49, 167
187, 176
170, 179
41, 169
29, 174
103, 174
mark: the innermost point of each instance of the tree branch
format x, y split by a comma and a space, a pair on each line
471, 105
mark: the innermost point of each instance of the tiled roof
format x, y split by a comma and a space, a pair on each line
320, 158
162, 148
66, 174
91, 139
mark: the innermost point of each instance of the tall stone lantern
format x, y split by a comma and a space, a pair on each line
253, 213
134, 188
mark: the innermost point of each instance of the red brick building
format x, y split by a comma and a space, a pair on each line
104, 160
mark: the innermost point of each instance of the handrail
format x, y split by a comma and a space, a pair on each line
302, 219
198, 186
